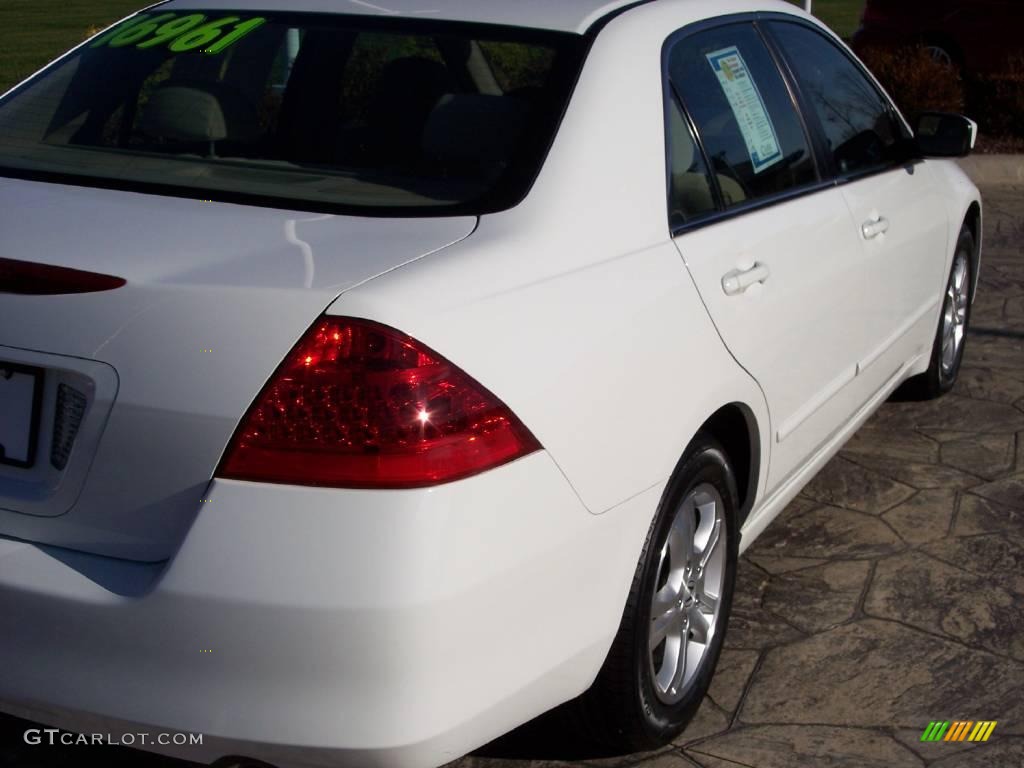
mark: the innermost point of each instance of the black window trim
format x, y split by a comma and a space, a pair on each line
828, 175
722, 213
812, 116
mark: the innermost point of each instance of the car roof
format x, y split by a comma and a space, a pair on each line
560, 15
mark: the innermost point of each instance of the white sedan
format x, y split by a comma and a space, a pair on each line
374, 379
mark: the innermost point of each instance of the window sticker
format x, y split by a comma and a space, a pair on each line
179, 34
748, 106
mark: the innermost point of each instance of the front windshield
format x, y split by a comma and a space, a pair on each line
313, 111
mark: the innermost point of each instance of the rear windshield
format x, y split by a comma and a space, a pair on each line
314, 111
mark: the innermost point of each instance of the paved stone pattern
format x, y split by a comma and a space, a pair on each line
889, 594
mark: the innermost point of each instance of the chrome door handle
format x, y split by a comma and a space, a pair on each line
874, 228
738, 281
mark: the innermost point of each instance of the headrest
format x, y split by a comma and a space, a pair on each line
188, 113
474, 127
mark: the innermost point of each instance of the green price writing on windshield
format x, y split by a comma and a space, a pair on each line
180, 34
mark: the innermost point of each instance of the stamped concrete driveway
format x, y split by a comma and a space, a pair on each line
890, 594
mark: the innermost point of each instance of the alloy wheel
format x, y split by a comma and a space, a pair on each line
685, 606
954, 317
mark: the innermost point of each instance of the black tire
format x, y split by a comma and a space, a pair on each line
940, 379
946, 53
622, 710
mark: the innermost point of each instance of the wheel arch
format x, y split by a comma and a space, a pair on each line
735, 427
972, 221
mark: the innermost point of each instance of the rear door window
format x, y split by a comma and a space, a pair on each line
744, 114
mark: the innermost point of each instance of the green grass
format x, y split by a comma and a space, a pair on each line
842, 15
37, 31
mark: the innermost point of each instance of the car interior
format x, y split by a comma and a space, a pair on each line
419, 113
440, 116
691, 190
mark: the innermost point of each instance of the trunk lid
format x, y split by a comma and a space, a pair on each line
158, 373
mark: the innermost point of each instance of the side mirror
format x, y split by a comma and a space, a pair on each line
945, 135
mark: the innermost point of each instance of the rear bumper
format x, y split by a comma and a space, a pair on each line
314, 627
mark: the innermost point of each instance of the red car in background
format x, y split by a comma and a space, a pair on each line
974, 35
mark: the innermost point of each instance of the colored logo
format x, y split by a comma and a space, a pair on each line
959, 730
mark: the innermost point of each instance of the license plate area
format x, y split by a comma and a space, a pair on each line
21, 395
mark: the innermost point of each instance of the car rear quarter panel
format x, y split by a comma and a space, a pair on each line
574, 307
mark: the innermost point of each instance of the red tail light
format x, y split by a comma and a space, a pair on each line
360, 405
